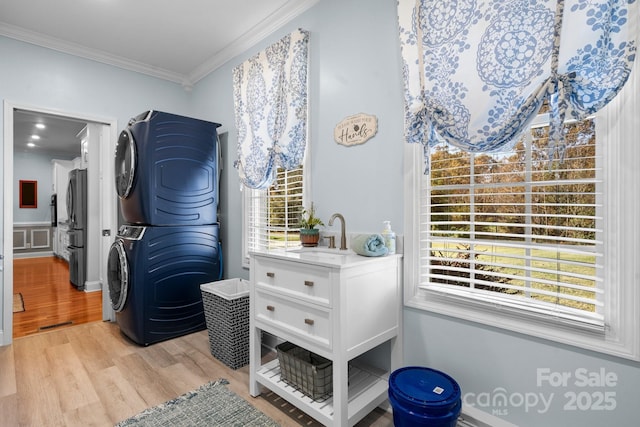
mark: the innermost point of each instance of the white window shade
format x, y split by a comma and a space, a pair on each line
270, 99
476, 73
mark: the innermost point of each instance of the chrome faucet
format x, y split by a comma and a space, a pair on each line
343, 235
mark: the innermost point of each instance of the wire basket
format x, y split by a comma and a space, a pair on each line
305, 371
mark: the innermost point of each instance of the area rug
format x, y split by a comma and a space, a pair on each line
18, 303
213, 404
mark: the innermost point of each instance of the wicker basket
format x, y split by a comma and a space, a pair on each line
226, 311
306, 371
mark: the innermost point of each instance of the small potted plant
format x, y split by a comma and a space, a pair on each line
309, 235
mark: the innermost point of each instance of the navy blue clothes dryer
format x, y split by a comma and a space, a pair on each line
154, 278
167, 170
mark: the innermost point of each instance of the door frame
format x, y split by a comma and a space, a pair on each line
108, 208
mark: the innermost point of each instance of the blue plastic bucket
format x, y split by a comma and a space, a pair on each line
424, 397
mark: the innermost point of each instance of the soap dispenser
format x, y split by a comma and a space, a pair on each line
389, 237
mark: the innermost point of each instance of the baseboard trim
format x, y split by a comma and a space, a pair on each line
474, 417
93, 286
33, 254
469, 417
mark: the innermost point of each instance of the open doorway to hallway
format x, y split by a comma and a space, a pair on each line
45, 149
95, 147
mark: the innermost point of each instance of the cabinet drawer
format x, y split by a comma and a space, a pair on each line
311, 322
311, 283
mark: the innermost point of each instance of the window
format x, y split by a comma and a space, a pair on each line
271, 216
511, 228
509, 240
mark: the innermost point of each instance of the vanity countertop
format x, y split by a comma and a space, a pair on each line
323, 256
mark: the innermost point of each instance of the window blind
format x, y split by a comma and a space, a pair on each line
274, 213
516, 229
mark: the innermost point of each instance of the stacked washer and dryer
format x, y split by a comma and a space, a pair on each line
167, 179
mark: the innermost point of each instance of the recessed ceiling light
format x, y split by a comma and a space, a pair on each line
40, 125
36, 137
30, 144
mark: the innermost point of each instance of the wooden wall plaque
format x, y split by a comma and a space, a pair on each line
356, 129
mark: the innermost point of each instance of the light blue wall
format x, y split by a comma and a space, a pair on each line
490, 362
32, 167
45, 78
354, 68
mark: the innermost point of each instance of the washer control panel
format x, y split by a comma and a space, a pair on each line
131, 232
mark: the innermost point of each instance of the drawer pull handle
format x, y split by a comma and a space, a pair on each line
308, 283
308, 321
271, 308
270, 274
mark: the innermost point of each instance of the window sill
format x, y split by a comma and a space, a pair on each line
593, 338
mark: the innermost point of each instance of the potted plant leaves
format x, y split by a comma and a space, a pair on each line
309, 235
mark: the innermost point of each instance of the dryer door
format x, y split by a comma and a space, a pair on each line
118, 275
125, 163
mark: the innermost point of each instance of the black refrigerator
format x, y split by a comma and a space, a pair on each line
77, 210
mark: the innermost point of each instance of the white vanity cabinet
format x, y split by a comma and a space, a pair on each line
337, 305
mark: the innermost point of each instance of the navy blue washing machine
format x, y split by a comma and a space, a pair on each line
167, 170
154, 278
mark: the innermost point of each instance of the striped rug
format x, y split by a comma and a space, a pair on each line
213, 404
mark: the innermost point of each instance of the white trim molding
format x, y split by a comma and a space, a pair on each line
276, 20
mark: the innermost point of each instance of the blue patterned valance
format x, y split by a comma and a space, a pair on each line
270, 97
476, 72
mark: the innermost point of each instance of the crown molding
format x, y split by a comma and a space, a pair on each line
75, 49
265, 28
270, 24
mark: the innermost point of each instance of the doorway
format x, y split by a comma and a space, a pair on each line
97, 152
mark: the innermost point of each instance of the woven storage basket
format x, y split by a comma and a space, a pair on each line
306, 371
226, 310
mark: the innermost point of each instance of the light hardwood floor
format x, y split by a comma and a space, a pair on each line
91, 375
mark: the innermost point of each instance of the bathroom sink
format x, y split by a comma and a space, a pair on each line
321, 252
321, 255
318, 249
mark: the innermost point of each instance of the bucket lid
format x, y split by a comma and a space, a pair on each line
424, 387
